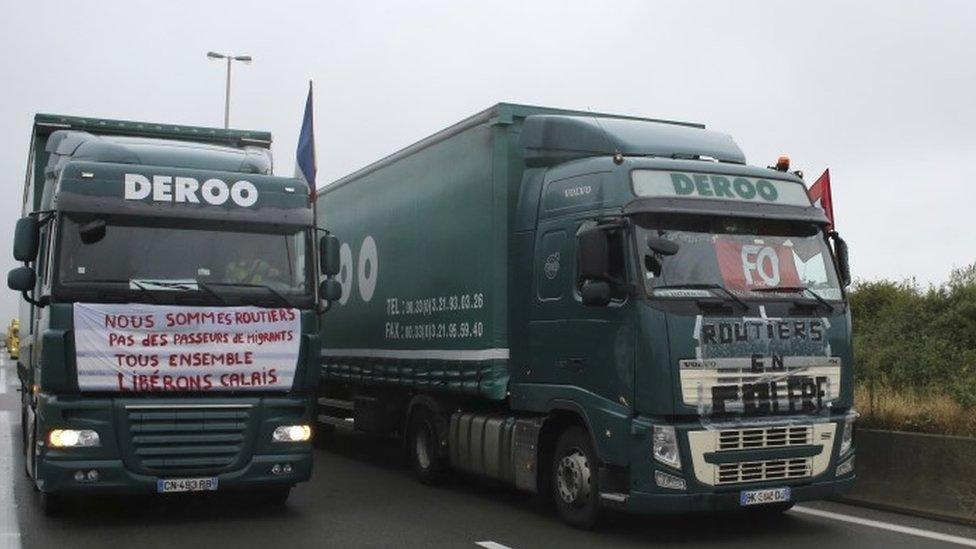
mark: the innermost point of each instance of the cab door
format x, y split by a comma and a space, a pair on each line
580, 347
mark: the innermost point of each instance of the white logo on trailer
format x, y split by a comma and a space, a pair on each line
345, 272
368, 268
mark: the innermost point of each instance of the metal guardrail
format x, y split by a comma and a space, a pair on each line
928, 475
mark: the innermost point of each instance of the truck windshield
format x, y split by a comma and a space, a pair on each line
205, 257
751, 258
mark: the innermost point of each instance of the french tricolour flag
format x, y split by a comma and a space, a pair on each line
305, 155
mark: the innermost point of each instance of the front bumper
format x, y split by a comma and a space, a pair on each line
144, 440
114, 477
719, 462
677, 503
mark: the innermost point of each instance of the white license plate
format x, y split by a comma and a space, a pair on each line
762, 497
206, 484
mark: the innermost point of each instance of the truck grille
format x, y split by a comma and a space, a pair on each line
759, 471
178, 438
787, 447
764, 437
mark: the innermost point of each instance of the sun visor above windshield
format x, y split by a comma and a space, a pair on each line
695, 206
100, 188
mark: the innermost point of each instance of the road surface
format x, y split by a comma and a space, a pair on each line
361, 495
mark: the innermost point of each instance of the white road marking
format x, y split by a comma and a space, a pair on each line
3, 381
966, 542
9, 529
491, 545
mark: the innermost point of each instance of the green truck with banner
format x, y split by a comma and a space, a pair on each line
169, 313
610, 311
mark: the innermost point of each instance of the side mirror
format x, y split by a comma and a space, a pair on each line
329, 255
653, 265
595, 293
662, 245
92, 232
26, 239
21, 279
843, 259
594, 254
330, 289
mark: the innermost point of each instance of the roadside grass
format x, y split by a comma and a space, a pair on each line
915, 411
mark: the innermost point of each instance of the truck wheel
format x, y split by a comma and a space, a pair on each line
30, 453
23, 430
575, 482
323, 436
276, 497
52, 505
423, 448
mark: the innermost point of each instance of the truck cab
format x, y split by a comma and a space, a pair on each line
690, 311
170, 291
608, 310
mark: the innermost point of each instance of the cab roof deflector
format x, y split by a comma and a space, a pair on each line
553, 138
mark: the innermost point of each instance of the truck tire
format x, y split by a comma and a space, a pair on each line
276, 497
23, 430
30, 453
575, 479
423, 448
323, 436
52, 505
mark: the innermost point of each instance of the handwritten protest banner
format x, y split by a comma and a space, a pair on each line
152, 348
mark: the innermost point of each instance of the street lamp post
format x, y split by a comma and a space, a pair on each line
244, 59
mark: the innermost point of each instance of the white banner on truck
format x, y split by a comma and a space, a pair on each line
154, 348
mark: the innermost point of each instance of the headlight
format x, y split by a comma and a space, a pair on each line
847, 440
72, 438
666, 446
292, 433
845, 468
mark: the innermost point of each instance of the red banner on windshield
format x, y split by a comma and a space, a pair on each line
758, 264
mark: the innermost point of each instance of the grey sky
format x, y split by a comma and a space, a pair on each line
884, 94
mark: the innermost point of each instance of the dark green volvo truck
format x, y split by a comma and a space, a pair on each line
169, 315
612, 311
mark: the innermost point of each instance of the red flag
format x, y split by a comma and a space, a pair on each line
819, 194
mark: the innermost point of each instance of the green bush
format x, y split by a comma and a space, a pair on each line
917, 339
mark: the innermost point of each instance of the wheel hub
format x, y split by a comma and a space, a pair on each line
573, 477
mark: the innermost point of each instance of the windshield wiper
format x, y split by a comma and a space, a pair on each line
144, 289
189, 286
205, 286
273, 292
800, 289
718, 287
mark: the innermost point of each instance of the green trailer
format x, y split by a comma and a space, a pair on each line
615, 311
169, 311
